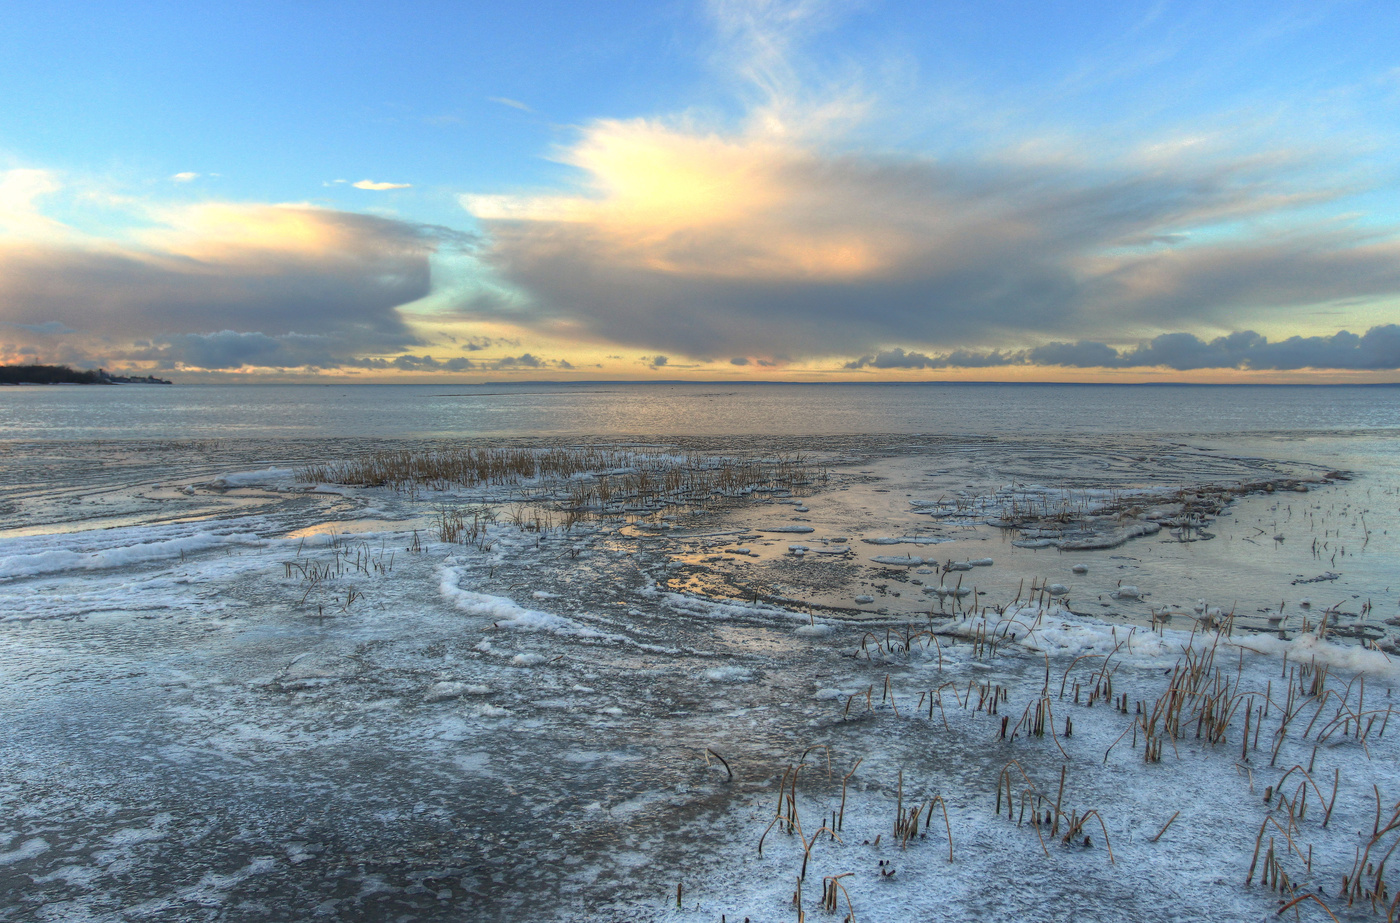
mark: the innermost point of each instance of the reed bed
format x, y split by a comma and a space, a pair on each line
409, 470
579, 478
1207, 697
347, 559
911, 825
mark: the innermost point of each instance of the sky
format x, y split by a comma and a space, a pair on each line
727, 190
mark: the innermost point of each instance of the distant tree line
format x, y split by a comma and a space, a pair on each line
48, 375
63, 375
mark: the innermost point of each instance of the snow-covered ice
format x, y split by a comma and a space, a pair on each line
261, 701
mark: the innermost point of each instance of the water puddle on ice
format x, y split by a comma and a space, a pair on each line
1137, 543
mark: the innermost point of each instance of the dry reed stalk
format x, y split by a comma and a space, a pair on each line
1308, 780
1258, 844
1072, 663
938, 799
778, 813
1308, 896
1077, 826
817, 747
709, 753
1055, 829
808, 844
1164, 828
841, 820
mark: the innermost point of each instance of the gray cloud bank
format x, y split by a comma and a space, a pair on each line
426, 363
1378, 349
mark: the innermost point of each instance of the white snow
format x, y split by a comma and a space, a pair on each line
897, 560
267, 476
87, 552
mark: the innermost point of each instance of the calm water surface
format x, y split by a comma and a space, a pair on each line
541, 409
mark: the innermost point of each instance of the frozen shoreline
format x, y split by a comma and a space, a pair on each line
521, 731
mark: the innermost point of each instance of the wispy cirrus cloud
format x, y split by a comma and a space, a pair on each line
512, 103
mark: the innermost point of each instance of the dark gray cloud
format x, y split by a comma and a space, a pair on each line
48, 328
427, 363
958, 358
1378, 349
231, 349
315, 295
410, 363
1084, 354
477, 344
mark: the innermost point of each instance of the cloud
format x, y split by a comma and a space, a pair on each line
1083, 354
411, 363
710, 245
656, 362
48, 328
184, 177
1378, 349
455, 364
230, 349
215, 285
379, 187
784, 230
20, 193
513, 103
958, 358
428, 363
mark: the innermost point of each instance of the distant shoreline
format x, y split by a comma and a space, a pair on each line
700, 382
64, 375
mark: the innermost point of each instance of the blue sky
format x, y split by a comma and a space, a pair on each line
1189, 191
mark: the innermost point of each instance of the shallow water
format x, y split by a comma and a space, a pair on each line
195, 729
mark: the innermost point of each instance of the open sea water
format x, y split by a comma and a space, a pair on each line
685, 409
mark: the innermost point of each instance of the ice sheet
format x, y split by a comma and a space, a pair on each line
208, 718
